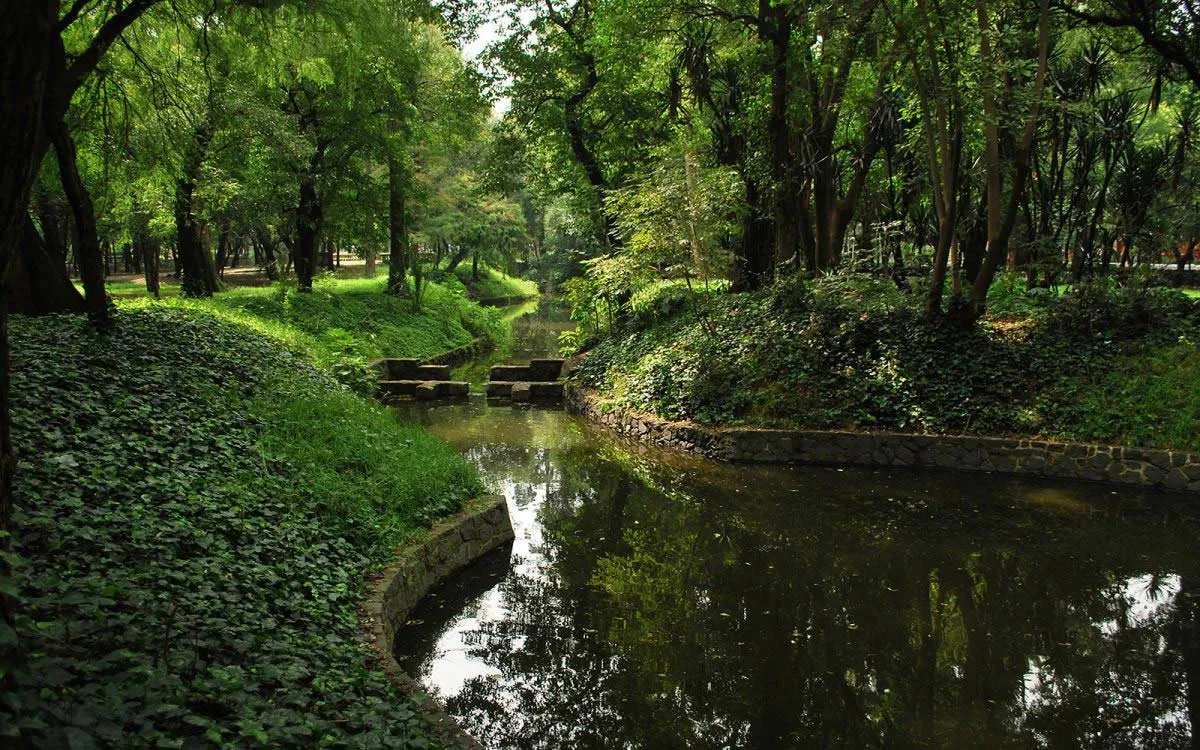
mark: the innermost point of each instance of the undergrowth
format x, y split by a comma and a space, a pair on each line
491, 284
1097, 363
345, 323
196, 506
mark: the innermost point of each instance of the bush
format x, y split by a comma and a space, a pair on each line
854, 352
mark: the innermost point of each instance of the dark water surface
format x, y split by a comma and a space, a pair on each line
655, 600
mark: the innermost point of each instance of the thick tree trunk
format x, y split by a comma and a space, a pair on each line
309, 217
459, 256
25, 46
38, 282
369, 259
754, 259
193, 259
87, 247
776, 26
149, 252
194, 263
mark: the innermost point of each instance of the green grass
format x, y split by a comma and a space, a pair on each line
1147, 396
493, 284
196, 507
344, 323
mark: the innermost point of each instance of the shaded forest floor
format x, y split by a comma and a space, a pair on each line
197, 504
1097, 364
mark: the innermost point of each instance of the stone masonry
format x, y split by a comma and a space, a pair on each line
482, 526
1142, 467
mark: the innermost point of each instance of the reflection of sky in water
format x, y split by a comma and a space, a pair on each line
797, 584
451, 664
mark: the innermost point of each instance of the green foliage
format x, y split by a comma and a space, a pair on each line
196, 506
1146, 396
676, 216
492, 283
344, 323
846, 352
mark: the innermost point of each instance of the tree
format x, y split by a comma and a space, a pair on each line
1171, 29
26, 42
1002, 218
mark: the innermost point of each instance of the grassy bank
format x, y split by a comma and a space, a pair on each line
196, 507
491, 284
1094, 364
344, 323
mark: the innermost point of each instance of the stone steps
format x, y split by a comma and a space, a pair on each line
525, 390
423, 389
537, 371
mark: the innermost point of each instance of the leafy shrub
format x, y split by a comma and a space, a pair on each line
850, 351
196, 506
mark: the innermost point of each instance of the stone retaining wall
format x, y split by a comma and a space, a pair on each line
482, 526
1162, 469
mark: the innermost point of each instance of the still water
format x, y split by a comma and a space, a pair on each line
656, 600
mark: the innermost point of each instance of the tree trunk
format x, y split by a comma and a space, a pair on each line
199, 273
459, 256
194, 263
475, 265
776, 26
398, 258
941, 259
55, 223
38, 282
1002, 220
414, 255
222, 246
369, 258
87, 248
149, 252
754, 259
25, 45
309, 217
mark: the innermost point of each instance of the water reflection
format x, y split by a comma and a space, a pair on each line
536, 326
655, 600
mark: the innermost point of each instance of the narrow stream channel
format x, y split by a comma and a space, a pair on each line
656, 600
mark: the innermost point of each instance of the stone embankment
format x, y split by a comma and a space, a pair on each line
451, 545
1141, 467
409, 377
536, 381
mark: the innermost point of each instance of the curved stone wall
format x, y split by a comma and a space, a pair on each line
482, 526
1160, 469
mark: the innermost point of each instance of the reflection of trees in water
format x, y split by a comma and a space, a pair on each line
668, 621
